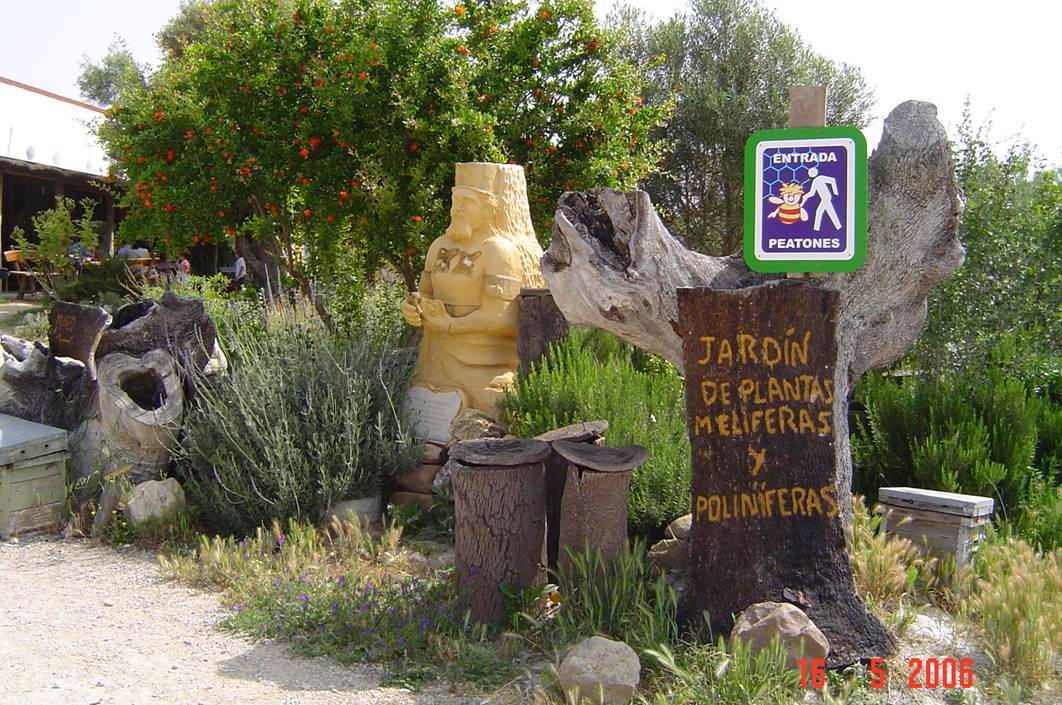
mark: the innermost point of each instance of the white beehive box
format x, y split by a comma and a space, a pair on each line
32, 476
944, 522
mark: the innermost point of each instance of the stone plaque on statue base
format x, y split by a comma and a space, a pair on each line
433, 413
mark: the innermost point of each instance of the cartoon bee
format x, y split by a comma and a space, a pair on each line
790, 206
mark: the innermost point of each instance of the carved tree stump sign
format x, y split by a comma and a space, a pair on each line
500, 526
760, 366
593, 499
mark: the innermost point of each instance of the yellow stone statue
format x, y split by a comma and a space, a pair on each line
467, 300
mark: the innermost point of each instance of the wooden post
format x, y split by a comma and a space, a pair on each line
592, 432
540, 324
807, 108
106, 248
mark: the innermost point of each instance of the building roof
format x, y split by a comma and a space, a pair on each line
49, 129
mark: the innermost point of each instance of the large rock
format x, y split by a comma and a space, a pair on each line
433, 454
764, 621
155, 501
670, 554
603, 671
419, 479
365, 510
474, 424
680, 528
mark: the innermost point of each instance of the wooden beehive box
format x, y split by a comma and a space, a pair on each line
944, 522
32, 476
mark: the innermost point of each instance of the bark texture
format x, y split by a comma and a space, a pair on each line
613, 265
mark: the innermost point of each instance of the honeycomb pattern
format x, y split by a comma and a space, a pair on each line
775, 176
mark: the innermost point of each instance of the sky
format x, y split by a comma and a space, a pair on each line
1003, 56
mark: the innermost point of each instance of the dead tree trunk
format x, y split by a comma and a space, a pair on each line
500, 529
613, 265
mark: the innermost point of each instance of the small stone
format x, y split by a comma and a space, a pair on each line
474, 424
155, 501
13, 540
108, 603
407, 499
762, 622
603, 671
680, 528
442, 485
433, 454
670, 554
419, 479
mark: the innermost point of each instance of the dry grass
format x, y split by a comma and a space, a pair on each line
300, 549
1017, 605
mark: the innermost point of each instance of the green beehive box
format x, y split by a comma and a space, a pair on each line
32, 476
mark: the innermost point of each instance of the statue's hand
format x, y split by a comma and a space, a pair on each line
433, 315
410, 309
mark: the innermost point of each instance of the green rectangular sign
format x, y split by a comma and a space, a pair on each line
806, 200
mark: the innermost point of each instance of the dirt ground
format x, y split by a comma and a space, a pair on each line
82, 624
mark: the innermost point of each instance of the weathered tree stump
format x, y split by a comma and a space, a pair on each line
557, 473
612, 264
540, 324
593, 499
500, 527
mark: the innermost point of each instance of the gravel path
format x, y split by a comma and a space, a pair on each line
82, 624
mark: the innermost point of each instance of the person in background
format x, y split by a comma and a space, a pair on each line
184, 267
239, 275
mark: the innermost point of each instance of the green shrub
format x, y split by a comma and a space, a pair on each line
305, 418
32, 326
951, 433
592, 375
982, 431
106, 282
226, 308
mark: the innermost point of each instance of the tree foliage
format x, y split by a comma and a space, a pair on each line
1010, 286
332, 129
728, 65
116, 74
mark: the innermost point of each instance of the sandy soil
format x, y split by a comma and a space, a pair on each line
82, 624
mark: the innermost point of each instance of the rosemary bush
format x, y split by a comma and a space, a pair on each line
304, 419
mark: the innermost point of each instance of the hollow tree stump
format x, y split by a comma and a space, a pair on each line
593, 498
500, 527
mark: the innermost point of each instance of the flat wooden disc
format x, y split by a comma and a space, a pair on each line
601, 458
576, 433
500, 451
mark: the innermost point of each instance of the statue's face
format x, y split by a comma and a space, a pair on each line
469, 214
